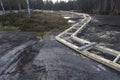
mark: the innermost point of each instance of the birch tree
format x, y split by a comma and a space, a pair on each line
3, 9
28, 8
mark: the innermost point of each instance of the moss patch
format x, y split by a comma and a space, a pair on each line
8, 28
39, 22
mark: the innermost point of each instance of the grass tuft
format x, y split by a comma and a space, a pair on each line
39, 22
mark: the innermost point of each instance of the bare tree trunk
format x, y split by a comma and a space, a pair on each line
28, 8
117, 6
9, 2
2, 7
19, 5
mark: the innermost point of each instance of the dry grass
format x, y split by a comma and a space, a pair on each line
39, 22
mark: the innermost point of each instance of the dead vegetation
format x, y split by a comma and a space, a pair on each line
39, 22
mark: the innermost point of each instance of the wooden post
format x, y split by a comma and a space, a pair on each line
116, 59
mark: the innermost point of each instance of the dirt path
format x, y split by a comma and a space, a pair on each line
62, 63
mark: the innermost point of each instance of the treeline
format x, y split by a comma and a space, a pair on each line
16, 4
13, 4
88, 6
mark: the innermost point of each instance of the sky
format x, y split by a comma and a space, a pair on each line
59, 0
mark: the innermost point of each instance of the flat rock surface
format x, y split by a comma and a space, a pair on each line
15, 37
61, 63
14, 47
58, 62
9, 40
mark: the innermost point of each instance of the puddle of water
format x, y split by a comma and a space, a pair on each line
66, 17
102, 67
71, 21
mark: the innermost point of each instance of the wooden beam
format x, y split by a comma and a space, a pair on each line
88, 46
116, 59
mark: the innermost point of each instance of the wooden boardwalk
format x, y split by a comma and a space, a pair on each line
102, 54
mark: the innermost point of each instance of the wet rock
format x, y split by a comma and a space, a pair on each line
14, 48
61, 63
103, 30
9, 61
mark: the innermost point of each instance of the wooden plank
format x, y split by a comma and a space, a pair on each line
87, 47
101, 48
116, 59
69, 28
81, 28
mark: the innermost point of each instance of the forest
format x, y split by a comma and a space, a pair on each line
87, 6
